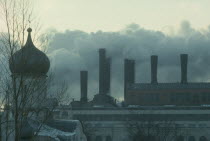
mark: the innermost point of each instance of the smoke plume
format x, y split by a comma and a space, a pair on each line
73, 51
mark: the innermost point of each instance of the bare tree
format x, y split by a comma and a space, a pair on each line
24, 95
151, 129
153, 126
88, 129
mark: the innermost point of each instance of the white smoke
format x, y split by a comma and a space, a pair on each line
73, 51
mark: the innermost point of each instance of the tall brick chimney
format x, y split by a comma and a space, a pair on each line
83, 85
184, 60
108, 76
129, 74
154, 62
102, 71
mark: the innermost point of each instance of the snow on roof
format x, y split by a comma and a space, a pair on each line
54, 133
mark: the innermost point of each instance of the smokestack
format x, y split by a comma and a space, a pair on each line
154, 62
184, 60
102, 70
108, 76
83, 85
129, 74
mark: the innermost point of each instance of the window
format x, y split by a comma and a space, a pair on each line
156, 97
195, 98
98, 138
172, 98
65, 114
208, 97
56, 113
191, 138
88, 138
177, 98
180, 138
180, 125
202, 125
202, 138
192, 125
187, 97
204, 97
108, 138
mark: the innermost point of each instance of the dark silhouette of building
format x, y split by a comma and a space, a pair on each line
154, 93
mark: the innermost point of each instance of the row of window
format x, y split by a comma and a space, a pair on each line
99, 138
179, 138
191, 138
177, 97
143, 117
196, 98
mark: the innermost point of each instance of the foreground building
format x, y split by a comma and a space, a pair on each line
26, 114
114, 124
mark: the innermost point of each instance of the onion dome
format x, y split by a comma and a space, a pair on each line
29, 59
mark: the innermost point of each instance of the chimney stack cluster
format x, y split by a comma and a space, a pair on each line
129, 73
129, 70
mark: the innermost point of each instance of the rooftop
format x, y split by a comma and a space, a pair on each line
165, 86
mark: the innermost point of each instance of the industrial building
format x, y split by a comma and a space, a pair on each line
144, 94
160, 94
184, 104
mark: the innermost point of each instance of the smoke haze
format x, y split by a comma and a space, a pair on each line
73, 51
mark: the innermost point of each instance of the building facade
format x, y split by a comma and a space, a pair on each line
183, 93
182, 108
113, 124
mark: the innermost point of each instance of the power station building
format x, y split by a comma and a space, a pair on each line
144, 94
184, 104
160, 94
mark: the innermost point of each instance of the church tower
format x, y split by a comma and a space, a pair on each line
29, 67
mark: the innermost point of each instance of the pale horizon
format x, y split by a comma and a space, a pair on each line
109, 15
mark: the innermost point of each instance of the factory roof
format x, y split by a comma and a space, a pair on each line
165, 86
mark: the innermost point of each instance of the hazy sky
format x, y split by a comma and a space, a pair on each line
72, 50
113, 15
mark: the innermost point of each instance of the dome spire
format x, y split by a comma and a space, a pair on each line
29, 59
29, 42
